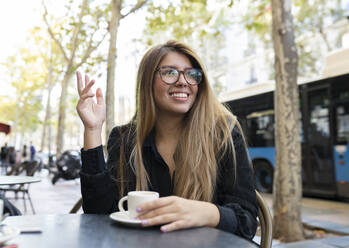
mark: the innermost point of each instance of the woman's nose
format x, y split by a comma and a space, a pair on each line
181, 79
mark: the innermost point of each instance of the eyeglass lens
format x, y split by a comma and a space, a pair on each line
171, 75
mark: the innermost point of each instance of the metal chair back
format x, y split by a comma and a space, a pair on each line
76, 207
265, 221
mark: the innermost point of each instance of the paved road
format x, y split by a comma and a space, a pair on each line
328, 214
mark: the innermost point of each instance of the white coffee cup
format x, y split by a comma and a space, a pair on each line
135, 199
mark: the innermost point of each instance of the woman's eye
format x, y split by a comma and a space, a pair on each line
194, 74
170, 72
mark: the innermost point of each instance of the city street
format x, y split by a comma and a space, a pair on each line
48, 198
329, 215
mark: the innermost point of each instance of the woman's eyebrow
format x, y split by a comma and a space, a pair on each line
175, 67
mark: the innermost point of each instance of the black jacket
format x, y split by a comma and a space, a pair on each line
236, 200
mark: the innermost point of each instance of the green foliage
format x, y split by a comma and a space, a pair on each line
192, 22
26, 72
258, 18
310, 18
184, 20
79, 31
180, 20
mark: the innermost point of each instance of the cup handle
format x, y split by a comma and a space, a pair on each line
121, 202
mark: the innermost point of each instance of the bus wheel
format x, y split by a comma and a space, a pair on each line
263, 176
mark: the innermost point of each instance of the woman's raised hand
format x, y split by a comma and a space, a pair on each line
91, 112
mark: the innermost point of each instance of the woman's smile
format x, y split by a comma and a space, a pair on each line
179, 96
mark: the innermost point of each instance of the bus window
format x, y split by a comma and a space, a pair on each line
261, 128
319, 131
342, 112
319, 149
319, 120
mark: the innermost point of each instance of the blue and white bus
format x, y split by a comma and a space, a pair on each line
324, 121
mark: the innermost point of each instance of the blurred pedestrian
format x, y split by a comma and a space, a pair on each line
4, 159
12, 154
32, 151
24, 153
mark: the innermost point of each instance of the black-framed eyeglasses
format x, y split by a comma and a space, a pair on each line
170, 75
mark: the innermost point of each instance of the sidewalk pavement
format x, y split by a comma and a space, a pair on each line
50, 199
331, 216
324, 214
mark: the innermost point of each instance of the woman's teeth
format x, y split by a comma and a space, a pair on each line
183, 95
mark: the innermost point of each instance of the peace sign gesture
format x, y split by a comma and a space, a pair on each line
91, 113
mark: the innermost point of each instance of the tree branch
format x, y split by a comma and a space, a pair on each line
52, 34
90, 49
324, 37
138, 5
77, 29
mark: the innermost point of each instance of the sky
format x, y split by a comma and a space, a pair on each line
15, 21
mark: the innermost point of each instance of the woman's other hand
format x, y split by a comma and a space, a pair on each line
91, 113
175, 213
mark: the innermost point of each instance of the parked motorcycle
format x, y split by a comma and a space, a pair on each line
68, 166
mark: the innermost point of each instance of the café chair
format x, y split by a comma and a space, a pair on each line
76, 207
30, 168
17, 169
265, 222
9, 208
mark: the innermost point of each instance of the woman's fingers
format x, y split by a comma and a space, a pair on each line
87, 80
87, 95
159, 220
156, 212
181, 224
158, 203
83, 87
99, 96
79, 82
88, 87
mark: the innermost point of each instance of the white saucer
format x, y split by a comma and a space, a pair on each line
7, 233
123, 218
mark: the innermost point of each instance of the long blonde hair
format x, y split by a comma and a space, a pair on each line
206, 133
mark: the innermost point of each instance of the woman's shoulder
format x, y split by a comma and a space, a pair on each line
123, 132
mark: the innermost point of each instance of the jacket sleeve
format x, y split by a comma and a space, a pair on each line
99, 191
235, 193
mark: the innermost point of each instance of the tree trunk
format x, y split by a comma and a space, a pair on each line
70, 58
14, 129
110, 93
287, 177
61, 113
48, 110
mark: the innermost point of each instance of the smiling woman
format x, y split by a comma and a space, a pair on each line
182, 143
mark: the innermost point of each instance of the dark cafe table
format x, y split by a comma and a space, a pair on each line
88, 230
